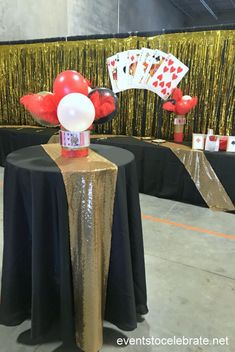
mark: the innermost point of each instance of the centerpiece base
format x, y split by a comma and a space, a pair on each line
74, 144
78, 153
179, 123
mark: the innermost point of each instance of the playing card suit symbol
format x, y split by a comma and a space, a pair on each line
160, 77
163, 91
174, 76
179, 69
170, 62
155, 84
172, 69
113, 62
166, 69
198, 140
233, 142
162, 84
168, 84
132, 58
212, 138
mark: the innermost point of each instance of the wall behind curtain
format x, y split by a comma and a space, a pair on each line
113, 16
149, 15
208, 54
28, 19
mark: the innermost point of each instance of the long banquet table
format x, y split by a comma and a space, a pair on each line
160, 173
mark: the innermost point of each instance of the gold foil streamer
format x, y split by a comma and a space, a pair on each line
90, 184
209, 55
204, 177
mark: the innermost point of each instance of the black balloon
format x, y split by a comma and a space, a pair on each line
105, 92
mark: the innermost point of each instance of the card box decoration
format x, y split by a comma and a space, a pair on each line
198, 141
231, 144
74, 144
212, 143
223, 141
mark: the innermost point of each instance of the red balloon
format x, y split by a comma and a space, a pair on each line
69, 82
182, 107
43, 108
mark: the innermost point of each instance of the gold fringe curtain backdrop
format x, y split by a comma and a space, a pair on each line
209, 55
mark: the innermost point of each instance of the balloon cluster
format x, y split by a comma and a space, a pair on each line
73, 104
180, 104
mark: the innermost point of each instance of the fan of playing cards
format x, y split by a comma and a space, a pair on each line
146, 68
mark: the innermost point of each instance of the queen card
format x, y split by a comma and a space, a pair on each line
155, 62
142, 66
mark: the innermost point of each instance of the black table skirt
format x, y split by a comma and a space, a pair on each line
36, 276
14, 138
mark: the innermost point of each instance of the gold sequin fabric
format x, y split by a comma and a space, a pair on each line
204, 177
90, 184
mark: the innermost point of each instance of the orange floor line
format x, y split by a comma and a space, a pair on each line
188, 227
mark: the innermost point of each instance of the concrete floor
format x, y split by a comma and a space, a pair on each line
190, 264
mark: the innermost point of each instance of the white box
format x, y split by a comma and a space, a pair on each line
212, 143
198, 141
231, 144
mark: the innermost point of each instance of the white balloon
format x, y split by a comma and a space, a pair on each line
186, 97
76, 112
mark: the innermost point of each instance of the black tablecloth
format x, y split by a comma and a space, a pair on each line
161, 174
14, 138
36, 276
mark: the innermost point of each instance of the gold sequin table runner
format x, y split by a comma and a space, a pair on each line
203, 176
201, 173
90, 184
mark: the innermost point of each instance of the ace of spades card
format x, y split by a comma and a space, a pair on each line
167, 77
122, 63
112, 64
